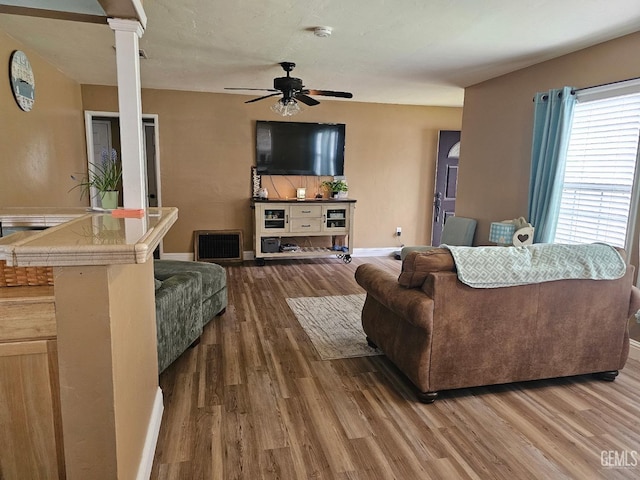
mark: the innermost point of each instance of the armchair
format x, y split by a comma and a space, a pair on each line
457, 231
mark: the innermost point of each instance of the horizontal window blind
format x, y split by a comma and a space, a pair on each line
600, 171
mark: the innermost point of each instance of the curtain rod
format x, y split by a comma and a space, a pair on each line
576, 90
545, 96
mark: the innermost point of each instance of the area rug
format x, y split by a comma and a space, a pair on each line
333, 325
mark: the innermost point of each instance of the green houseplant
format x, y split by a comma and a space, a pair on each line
336, 187
104, 178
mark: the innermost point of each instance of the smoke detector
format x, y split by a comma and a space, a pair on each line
322, 31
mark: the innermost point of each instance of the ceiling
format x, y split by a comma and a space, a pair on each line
413, 52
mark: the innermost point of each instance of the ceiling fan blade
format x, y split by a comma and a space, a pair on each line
262, 98
329, 93
306, 100
258, 89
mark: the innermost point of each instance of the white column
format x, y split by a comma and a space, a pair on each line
134, 182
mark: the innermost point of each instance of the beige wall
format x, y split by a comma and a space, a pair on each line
207, 147
493, 180
108, 366
135, 365
40, 149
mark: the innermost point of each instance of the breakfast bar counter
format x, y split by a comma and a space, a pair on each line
85, 238
38, 216
89, 342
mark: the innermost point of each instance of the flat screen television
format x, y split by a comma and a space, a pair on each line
296, 148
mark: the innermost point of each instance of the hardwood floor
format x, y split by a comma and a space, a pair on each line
253, 401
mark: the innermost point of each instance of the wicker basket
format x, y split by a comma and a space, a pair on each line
24, 276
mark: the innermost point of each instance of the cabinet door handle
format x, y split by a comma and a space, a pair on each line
286, 218
305, 226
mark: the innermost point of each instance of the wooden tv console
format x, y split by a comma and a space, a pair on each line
277, 222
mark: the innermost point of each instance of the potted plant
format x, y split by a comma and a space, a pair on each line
104, 178
336, 188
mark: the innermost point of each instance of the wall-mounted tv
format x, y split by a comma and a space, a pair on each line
295, 148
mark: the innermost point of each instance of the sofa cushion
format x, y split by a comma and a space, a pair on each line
417, 265
157, 283
214, 277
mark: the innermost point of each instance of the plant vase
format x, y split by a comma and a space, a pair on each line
336, 188
109, 199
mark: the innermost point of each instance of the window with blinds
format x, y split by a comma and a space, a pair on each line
600, 171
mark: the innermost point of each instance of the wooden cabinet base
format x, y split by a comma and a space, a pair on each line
31, 443
31, 434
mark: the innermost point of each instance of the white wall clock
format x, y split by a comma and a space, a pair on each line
23, 83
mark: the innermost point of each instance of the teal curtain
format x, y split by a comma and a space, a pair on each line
552, 119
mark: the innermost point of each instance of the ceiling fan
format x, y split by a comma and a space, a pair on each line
291, 89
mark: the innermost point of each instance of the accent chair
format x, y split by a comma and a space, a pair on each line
457, 231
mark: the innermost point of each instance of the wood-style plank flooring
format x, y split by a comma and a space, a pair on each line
253, 401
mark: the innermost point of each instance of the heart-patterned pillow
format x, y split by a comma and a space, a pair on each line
523, 236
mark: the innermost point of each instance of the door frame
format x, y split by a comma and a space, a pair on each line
88, 121
89, 115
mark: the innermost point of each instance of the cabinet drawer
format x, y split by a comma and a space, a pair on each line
301, 211
306, 225
27, 320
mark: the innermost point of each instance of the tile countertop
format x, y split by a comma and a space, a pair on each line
39, 216
93, 238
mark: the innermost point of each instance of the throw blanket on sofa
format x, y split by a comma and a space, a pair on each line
493, 267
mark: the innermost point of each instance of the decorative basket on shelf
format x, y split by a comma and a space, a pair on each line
24, 276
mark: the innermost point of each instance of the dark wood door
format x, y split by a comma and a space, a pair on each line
444, 202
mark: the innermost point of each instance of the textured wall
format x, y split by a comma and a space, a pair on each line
497, 125
108, 366
40, 149
207, 147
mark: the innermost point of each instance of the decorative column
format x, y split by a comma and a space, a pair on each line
134, 182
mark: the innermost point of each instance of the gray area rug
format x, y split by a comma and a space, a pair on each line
333, 325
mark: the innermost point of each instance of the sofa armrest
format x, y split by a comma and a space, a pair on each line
634, 301
178, 315
412, 304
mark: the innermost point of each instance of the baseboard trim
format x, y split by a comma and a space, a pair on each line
250, 255
188, 257
153, 431
375, 252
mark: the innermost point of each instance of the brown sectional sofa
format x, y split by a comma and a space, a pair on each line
443, 334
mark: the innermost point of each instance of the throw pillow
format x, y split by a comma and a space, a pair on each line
417, 265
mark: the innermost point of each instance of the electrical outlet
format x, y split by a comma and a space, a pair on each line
398, 231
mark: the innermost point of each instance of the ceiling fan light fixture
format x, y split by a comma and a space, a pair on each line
286, 108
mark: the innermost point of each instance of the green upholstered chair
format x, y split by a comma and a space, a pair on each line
458, 231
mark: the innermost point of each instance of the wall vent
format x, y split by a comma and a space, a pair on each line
218, 245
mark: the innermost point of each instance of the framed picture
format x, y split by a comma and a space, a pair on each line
23, 83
